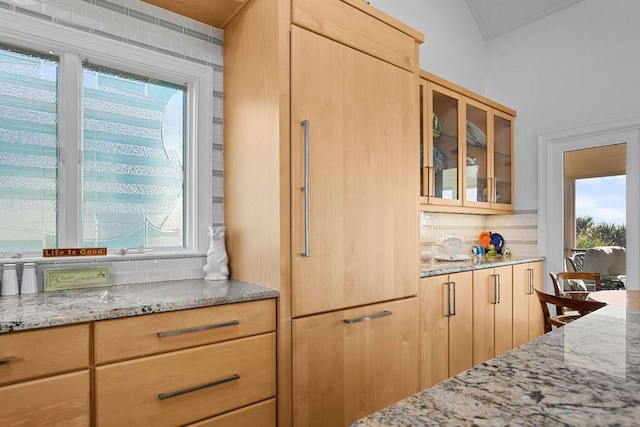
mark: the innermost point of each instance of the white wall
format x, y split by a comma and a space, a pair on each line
577, 67
454, 48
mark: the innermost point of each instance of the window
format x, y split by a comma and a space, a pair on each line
133, 160
28, 150
100, 148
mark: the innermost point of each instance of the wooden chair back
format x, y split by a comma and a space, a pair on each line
581, 306
575, 275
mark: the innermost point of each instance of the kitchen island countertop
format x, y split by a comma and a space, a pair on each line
22, 312
436, 268
584, 374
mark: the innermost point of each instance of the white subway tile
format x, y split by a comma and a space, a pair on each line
182, 20
138, 5
100, 12
160, 42
34, 5
112, 28
77, 5
125, 20
137, 35
85, 20
151, 29
159, 12
57, 12
137, 277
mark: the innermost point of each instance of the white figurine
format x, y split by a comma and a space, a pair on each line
217, 267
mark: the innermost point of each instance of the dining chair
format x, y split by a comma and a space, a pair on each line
578, 307
577, 277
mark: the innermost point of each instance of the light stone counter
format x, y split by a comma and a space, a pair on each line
584, 374
436, 268
22, 312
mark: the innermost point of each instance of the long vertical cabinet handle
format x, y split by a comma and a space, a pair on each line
530, 270
499, 290
449, 314
307, 239
496, 288
454, 298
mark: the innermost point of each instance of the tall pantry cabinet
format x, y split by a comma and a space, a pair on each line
321, 119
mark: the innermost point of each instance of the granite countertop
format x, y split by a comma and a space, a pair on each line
584, 374
21, 312
436, 268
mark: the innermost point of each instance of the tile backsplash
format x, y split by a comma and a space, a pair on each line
520, 231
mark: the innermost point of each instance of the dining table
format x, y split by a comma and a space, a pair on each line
620, 298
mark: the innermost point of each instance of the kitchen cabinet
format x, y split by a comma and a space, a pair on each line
492, 312
446, 326
528, 322
44, 377
360, 231
467, 150
185, 366
349, 363
321, 119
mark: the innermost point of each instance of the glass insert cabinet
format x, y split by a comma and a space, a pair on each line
466, 150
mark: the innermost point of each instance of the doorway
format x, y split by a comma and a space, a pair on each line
595, 208
552, 230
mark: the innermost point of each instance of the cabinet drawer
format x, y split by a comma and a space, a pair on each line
261, 414
354, 28
35, 353
63, 400
187, 385
120, 339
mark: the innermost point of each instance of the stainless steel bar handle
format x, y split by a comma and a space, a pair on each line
6, 361
449, 314
163, 396
198, 329
365, 318
454, 298
495, 289
530, 270
307, 243
498, 294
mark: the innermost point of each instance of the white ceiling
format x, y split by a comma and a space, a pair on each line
497, 17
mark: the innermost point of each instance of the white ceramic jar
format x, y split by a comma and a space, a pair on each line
29, 285
9, 280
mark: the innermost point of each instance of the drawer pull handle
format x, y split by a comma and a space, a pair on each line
365, 318
163, 396
198, 329
6, 361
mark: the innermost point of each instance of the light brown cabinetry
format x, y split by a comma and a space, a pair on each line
492, 312
467, 150
44, 375
209, 361
361, 227
527, 315
446, 326
350, 363
321, 119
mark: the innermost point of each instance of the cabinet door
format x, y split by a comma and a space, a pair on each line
527, 314
503, 325
502, 164
440, 155
536, 319
434, 330
350, 363
461, 323
492, 313
478, 129
360, 222
485, 299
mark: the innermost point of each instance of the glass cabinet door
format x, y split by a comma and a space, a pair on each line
476, 178
502, 191
440, 172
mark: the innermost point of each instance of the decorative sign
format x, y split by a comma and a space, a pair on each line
47, 253
56, 279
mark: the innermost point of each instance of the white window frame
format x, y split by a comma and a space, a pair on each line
72, 47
